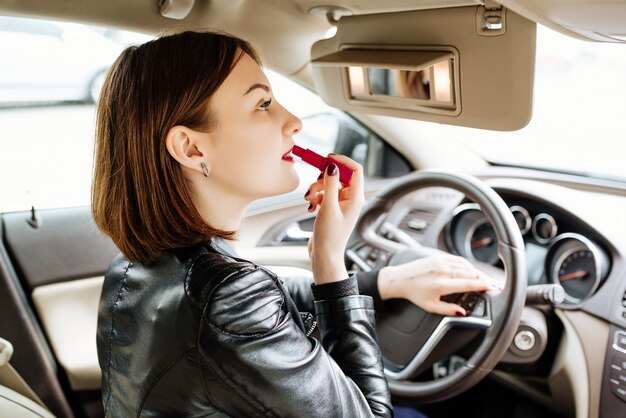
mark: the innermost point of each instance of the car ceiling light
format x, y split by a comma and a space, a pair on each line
330, 32
175, 9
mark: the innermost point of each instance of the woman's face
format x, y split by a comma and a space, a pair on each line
253, 131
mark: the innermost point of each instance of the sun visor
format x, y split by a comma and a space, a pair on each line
467, 66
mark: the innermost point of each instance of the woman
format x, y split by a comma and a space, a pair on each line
188, 134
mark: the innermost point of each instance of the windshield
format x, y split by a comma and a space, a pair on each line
578, 122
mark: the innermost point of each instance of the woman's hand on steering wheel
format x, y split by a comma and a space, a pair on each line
424, 281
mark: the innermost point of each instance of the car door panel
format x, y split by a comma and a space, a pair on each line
69, 316
32, 357
64, 245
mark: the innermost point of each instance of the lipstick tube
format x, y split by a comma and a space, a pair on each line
319, 162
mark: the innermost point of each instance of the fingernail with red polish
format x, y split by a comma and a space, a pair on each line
308, 192
321, 175
459, 313
331, 170
310, 207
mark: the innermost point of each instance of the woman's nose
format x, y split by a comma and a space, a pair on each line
293, 124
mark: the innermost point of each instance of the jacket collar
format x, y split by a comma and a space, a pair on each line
221, 246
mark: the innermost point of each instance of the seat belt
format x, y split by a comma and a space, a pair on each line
10, 378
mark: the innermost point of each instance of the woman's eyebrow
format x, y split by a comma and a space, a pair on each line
258, 86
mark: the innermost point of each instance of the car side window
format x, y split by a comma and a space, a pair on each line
50, 80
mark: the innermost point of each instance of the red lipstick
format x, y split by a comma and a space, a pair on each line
319, 162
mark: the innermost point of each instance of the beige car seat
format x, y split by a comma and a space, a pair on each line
17, 399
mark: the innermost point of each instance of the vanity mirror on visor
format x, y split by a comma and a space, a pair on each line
446, 65
420, 79
431, 83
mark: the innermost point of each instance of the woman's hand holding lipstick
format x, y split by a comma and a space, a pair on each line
339, 209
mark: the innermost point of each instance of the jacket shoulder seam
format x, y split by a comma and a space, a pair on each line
245, 300
192, 263
261, 320
195, 262
117, 299
220, 327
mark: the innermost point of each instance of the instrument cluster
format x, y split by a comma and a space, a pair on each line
555, 252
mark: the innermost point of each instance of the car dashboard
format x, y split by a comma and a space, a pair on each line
573, 234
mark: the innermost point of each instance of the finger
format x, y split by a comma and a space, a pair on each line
474, 273
444, 308
313, 190
317, 199
464, 285
331, 189
495, 284
454, 271
356, 184
457, 261
463, 273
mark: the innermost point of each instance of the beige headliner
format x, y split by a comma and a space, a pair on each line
267, 22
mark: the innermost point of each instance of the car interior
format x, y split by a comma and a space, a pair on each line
467, 147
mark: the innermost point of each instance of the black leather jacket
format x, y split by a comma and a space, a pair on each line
203, 333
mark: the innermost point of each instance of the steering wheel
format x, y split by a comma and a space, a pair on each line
412, 339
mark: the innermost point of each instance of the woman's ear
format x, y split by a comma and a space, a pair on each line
183, 145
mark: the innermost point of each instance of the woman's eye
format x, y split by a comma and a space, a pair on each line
265, 105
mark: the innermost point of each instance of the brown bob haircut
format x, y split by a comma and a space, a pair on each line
140, 197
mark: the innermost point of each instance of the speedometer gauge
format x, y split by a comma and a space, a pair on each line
483, 243
577, 264
470, 235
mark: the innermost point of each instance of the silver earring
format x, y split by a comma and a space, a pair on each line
205, 169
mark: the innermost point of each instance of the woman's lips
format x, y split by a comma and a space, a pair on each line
288, 156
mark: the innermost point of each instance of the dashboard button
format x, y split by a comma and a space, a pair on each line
619, 376
619, 341
619, 361
417, 224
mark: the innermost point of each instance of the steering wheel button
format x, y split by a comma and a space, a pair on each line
468, 301
479, 308
469, 306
